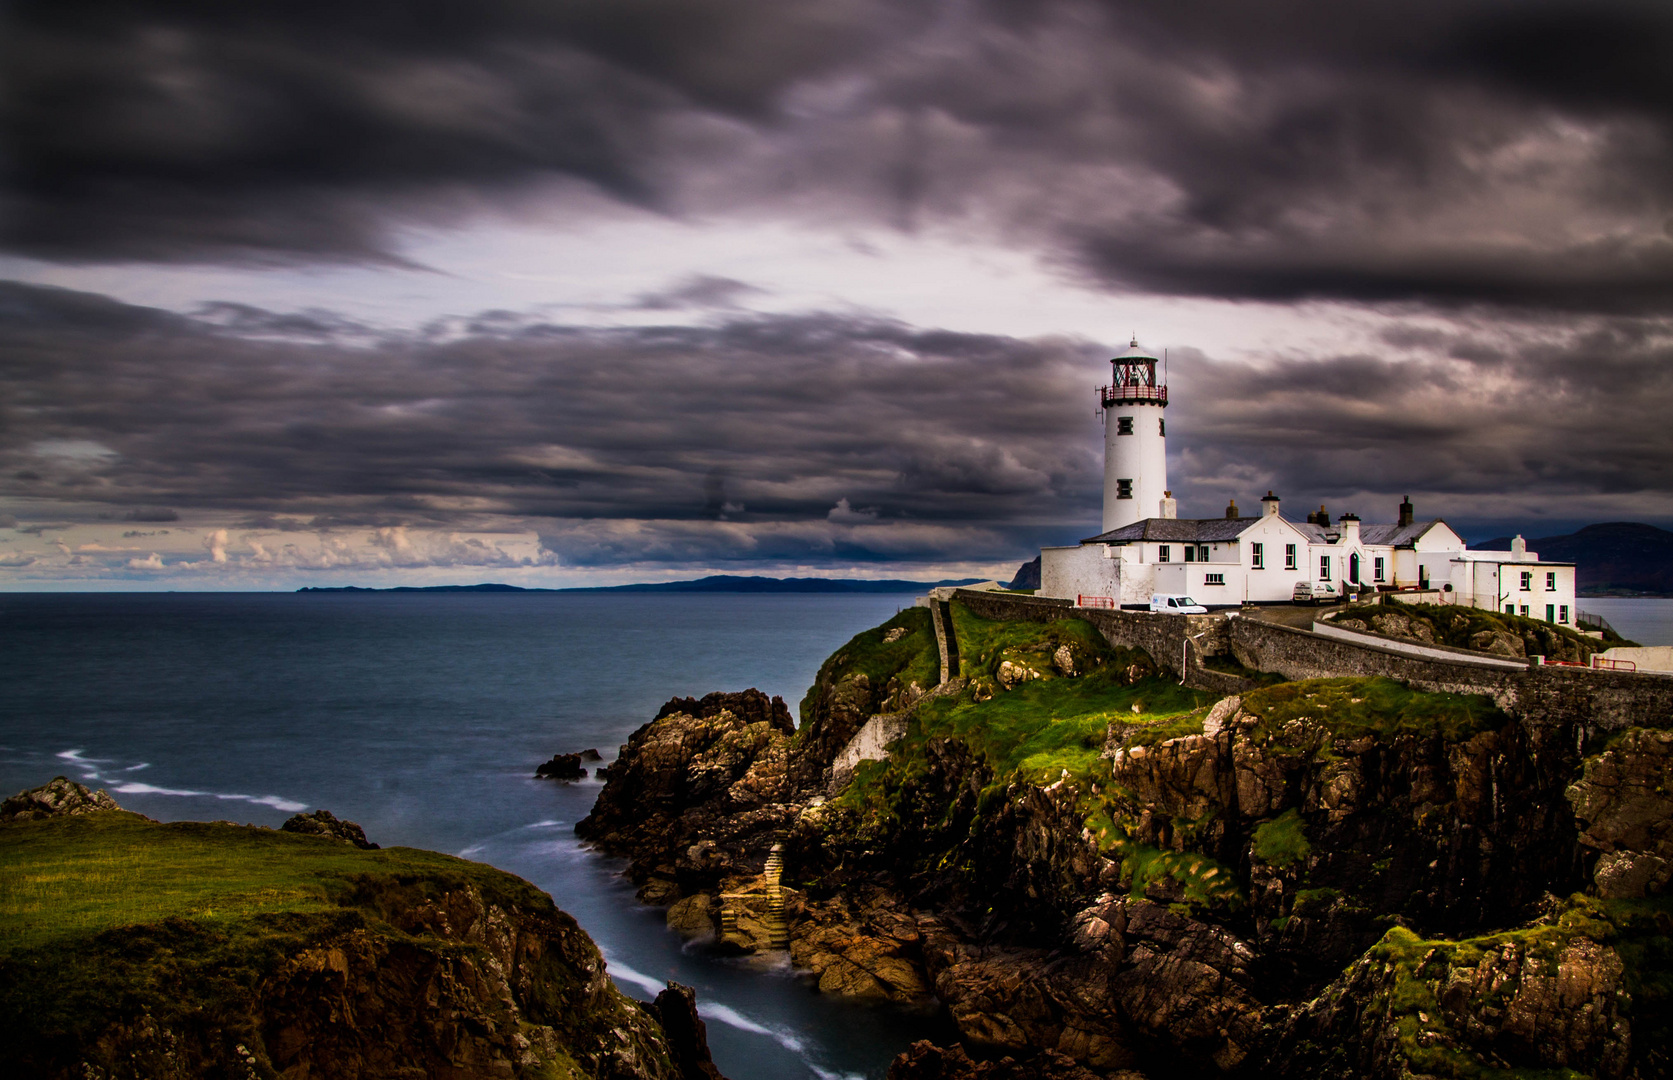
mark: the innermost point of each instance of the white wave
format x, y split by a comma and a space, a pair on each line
543, 825
732, 1018
137, 768
134, 787
638, 978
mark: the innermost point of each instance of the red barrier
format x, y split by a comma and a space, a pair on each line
1604, 664
1094, 601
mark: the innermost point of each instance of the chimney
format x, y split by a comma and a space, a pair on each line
1518, 549
1321, 519
1269, 505
1350, 529
1170, 505
1406, 512
1231, 510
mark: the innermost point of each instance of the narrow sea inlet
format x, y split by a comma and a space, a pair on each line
422, 717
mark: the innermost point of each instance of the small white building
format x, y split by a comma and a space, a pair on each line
1229, 561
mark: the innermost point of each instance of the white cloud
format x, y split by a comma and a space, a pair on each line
153, 561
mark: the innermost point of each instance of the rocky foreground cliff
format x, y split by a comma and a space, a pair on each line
1101, 873
130, 948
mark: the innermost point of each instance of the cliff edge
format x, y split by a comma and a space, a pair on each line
134, 948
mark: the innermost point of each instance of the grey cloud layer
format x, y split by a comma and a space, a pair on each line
1484, 151
834, 439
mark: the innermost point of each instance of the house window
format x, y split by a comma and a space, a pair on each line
1124, 489
1524, 611
1550, 581
1377, 568
1190, 553
1202, 552
1550, 612
1257, 556
1289, 556
1124, 425
1527, 580
1510, 609
1214, 579
1164, 553
1562, 613
1324, 567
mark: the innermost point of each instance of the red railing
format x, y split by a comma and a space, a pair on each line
1095, 601
1118, 395
1604, 664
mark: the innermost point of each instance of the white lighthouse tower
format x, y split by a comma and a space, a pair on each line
1135, 440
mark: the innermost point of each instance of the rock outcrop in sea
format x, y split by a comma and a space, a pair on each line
1100, 873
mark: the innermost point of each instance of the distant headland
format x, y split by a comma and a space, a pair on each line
721, 583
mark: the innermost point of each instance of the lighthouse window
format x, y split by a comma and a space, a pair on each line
1289, 556
1257, 553
1124, 425
1124, 489
1164, 553
1162, 426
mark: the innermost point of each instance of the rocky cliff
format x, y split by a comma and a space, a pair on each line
1100, 873
130, 948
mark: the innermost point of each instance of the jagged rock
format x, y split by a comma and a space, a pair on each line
924, 1060
687, 1035
562, 767
867, 951
1499, 643
590, 754
55, 798
1064, 661
693, 916
1624, 801
895, 635
325, 823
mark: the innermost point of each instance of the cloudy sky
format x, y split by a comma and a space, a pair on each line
591, 291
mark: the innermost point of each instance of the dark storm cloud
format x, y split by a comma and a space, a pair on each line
1486, 151
736, 441
828, 439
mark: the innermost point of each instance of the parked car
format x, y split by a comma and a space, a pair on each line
1315, 592
1176, 605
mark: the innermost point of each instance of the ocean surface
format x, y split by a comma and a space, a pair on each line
1648, 622
422, 717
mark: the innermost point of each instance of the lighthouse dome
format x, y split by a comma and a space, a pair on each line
1135, 351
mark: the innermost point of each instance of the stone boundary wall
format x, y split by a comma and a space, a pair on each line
1605, 699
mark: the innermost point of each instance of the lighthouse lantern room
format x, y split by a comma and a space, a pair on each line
1135, 440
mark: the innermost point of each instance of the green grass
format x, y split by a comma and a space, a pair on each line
76, 876
1354, 707
913, 658
1282, 841
983, 644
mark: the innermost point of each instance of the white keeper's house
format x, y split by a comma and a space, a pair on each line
1146, 548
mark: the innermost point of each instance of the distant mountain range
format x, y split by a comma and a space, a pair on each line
1618, 558
717, 584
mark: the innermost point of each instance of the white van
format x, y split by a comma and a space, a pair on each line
1315, 592
1176, 605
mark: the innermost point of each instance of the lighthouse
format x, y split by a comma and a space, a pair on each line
1135, 440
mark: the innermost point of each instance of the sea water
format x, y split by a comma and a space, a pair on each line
422, 716
1646, 621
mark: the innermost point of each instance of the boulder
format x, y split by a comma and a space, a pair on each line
693, 916
1499, 643
56, 798
687, 1035
325, 823
562, 767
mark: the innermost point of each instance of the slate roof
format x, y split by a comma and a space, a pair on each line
1183, 530
1223, 530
